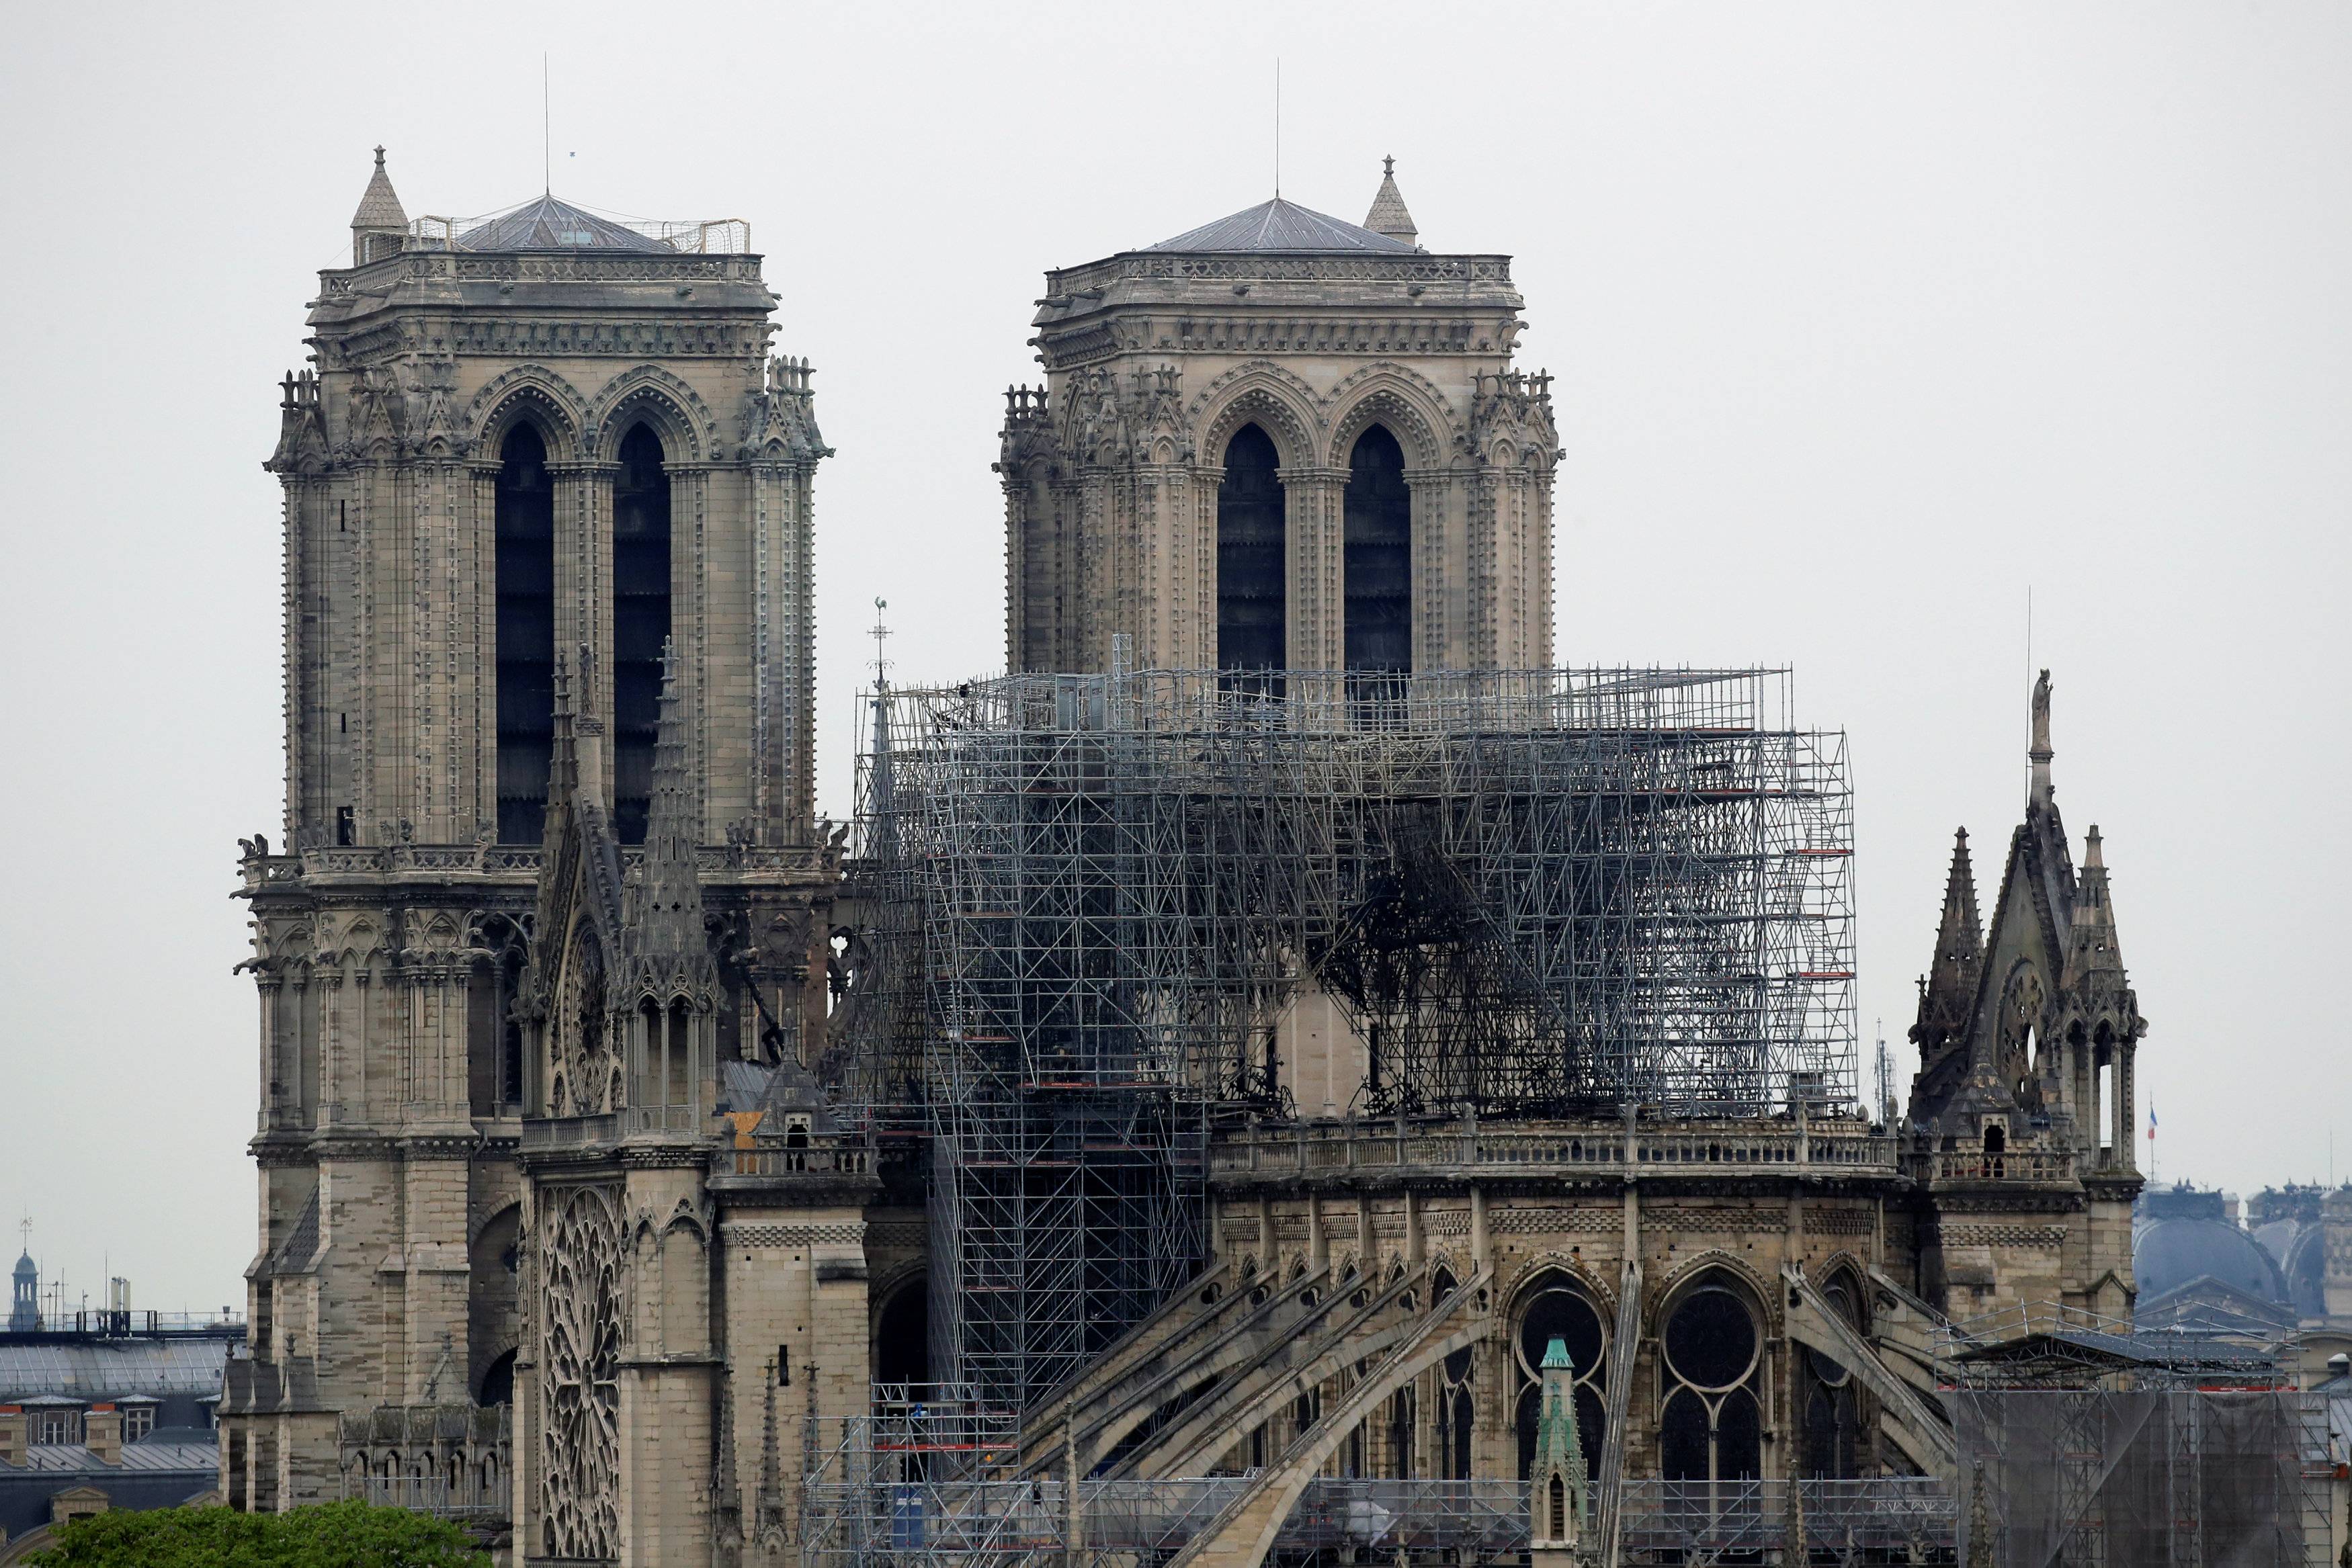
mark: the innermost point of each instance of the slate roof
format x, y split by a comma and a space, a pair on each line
198, 1457
379, 207
106, 1369
1387, 216
546, 223
1279, 226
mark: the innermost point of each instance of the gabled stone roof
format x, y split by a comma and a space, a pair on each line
1280, 225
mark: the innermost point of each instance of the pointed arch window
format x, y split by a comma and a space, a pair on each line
1558, 1309
1377, 518
524, 525
1253, 574
641, 622
1711, 1428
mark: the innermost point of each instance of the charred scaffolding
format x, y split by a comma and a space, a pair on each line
1547, 894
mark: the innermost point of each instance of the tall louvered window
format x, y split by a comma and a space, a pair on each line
641, 578
525, 528
1377, 519
1253, 582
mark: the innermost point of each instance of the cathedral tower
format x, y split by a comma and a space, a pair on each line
2021, 1112
1281, 442
540, 440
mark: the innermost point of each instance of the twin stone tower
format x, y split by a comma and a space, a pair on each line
548, 509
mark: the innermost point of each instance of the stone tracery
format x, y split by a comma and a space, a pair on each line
582, 1313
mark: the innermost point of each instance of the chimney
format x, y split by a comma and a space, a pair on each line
101, 1431
12, 1434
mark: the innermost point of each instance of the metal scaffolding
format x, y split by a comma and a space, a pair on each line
1092, 898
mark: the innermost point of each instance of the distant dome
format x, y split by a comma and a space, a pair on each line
2170, 1253
26, 1270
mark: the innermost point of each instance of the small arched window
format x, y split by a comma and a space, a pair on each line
525, 529
641, 623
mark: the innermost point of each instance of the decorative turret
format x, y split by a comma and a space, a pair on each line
380, 224
1556, 1480
24, 1303
1948, 991
1387, 216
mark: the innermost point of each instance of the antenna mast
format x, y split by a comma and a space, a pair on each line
546, 133
1277, 127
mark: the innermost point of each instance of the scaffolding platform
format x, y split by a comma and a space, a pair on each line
1536, 894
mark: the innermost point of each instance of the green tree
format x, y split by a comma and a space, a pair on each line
329, 1535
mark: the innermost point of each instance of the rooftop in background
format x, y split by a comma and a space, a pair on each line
83, 1369
1283, 227
77, 1327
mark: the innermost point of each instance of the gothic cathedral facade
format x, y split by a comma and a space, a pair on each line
547, 504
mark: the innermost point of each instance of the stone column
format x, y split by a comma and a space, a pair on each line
475, 734
1482, 546
273, 1050
1197, 639
1314, 538
772, 623
343, 1097
2127, 1054
583, 575
1436, 571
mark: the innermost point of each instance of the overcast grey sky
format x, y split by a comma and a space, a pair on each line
1866, 318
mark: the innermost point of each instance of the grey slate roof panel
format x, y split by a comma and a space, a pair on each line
197, 1457
1280, 225
546, 224
106, 1369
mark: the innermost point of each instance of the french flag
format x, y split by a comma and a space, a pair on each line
2151, 1121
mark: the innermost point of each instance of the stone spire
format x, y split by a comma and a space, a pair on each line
1387, 216
1951, 988
563, 769
1557, 1478
379, 212
2091, 946
669, 897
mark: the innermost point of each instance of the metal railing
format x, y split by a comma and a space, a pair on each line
131, 1322
965, 1521
471, 1499
1686, 1520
